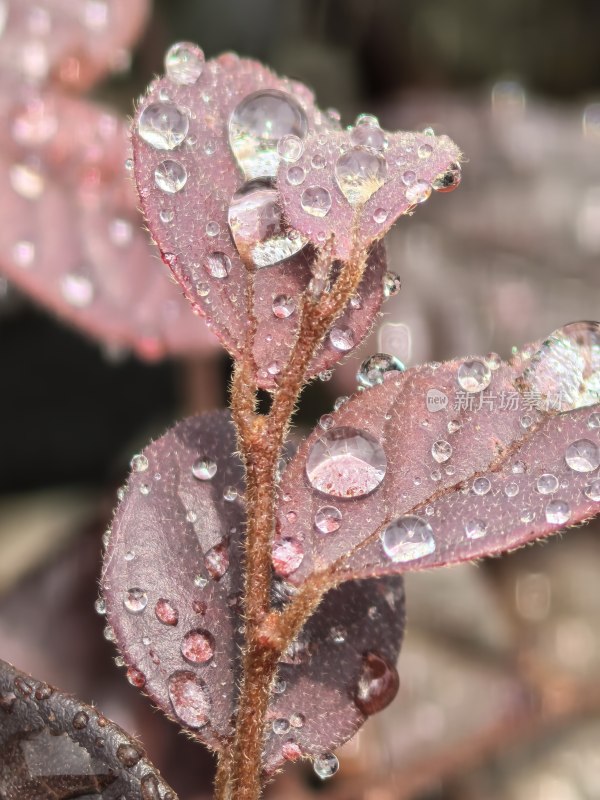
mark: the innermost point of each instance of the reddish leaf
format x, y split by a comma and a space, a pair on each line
187, 176
172, 588
72, 236
378, 183
469, 480
70, 42
54, 747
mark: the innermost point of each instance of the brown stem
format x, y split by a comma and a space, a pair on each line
261, 438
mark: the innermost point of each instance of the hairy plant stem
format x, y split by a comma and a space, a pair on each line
261, 438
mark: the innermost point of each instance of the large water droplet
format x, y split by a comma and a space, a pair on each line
328, 519
135, 600
166, 612
256, 126
408, 538
316, 201
547, 483
217, 265
163, 126
198, 647
474, 376
373, 369
377, 685
204, 469
346, 462
184, 63
564, 373
288, 554
558, 512
189, 697
326, 765
359, 174
342, 338
170, 176
441, 450
258, 228
583, 455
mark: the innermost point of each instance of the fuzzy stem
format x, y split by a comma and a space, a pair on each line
261, 439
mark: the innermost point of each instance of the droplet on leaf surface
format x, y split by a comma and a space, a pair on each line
346, 462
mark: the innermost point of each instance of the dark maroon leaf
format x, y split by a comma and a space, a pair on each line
207, 190
172, 588
441, 464
72, 236
53, 747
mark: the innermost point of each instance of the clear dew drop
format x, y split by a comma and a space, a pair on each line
342, 338
592, 490
280, 726
547, 483
391, 284
373, 369
511, 489
80, 720
475, 528
204, 469
170, 176
287, 554
163, 125
283, 306
295, 176
346, 462
367, 133
184, 63
557, 512
594, 420
77, 289
453, 426
290, 147
441, 450
359, 174
380, 215
135, 600
100, 606
189, 697
230, 493
257, 125
448, 181
407, 539
326, 765
200, 581
166, 612
136, 678
419, 192
474, 376
216, 560
316, 201
217, 264
328, 519
481, 486
139, 463
198, 647
377, 685
166, 216
583, 455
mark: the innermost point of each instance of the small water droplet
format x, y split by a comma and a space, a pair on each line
481, 486
27, 180
380, 215
547, 483
518, 468
367, 133
136, 678
474, 376
377, 685
135, 600
167, 216
526, 421
283, 306
145, 489
204, 469
391, 284
373, 369
290, 147
511, 489
230, 493
359, 174
184, 63
346, 462
441, 450
170, 176
328, 519
212, 228
139, 463
77, 290
453, 426
279, 686
558, 512
448, 181
316, 201
288, 554
295, 176
408, 538
217, 264
163, 126
280, 726
198, 646
592, 490
128, 755
419, 192
583, 455
297, 720
326, 765
166, 612
326, 421
100, 606
476, 528
594, 420
80, 720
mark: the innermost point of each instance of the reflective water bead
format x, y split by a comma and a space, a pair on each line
145, 489
212, 228
368, 134
283, 306
449, 180
424, 151
481, 486
189, 697
100, 606
583, 455
166, 612
380, 215
511, 489
290, 147
594, 420
295, 176
204, 469
135, 600
256, 126
419, 192
318, 161
373, 369
184, 63
493, 361
326, 421
280, 726
359, 174
198, 646
230, 493
328, 519
287, 555
592, 490
326, 765
136, 678
316, 201
217, 265
200, 581
475, 528
453, 426
77, 289
342, 338
139, 463
163, 126
441, 450
518, 468
527, 515
409, 177
547, 483
558, 512
27, 180
167, 216
474, 376
377, 685
170, 176
391, 284
408, 538
346, 462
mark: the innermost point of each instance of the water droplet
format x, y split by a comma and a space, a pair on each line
256, 126
518, 468
594, 420
558, 512
139, 463
391, 284
258, 227
481, 486
230, 494
100, 606
136, 678
170, 176
166, 612
377, 685
342, 338
288, 554
280, 726
346, 462
419, 192
408, 538
367, 133
547, 483
583, 456
167, 216
297, 720
316, 201
80, 720
476, 528
295, 176
204, 469
448, 181
216, 560
359, 174
128, 755
592, 490
290, 147
27, 180
441, 450
453, 426
198, 647
326, 765
511, 489
135, 600
279, 686
184, 63
189, 697
326, 421
373, 370
318, 161
212, 228
474, 376
23, 253
328, 519
526, 421
217, 264
163, 126
283, 306
380, 215
145, 489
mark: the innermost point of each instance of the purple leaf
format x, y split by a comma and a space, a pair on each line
205, 169
443, 463
73, 237
172, 588
54, 747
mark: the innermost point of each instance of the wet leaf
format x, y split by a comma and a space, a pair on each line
172, 588
441, 464
207, 140
54, 747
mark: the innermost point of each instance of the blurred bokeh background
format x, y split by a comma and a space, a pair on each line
500, 674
